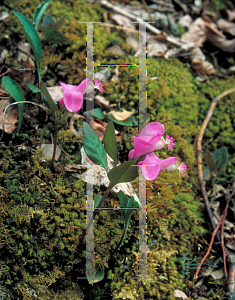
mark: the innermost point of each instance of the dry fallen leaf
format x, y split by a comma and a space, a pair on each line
219, 40
227, 14
185, 21
99, 177
3, 56
218, 274
98, 128
179, 294
199, 63
121, 116
156, 48
101, 100
217, 204
226, 26
55, 92
11, 117
197, 32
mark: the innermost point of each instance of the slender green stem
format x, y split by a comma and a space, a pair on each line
122, 239
96, 211
104, 196
54, 150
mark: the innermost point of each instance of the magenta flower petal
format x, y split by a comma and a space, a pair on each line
67, 86
165, 163
83, 86
61, 102
73, 100
147, 140
142, 147
150, 168
151, 130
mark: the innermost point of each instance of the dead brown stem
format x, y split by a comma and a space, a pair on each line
199, 156
209, 248
206, 201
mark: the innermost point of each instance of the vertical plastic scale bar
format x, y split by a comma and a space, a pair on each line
89, 229
90, 69
142, 124
89, 185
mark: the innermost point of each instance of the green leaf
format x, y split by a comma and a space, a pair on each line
134, 119
127, 202
127, 122
12, 87
97, 199
32, 37
53, 36
58, 24
99, 275
93, 147
210, 161
33, 88
110, 143
126, 172
207, 174
38, 13
97, 113
45, 92
24, 135
221, 157
48, 20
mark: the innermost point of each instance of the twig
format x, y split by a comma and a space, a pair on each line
147, 9
199, 156
105, 15
202, 182
163, 3
209, 248
153, 29
120, 27
7, 71
5, 110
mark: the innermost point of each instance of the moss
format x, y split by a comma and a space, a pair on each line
42, 215
42, 237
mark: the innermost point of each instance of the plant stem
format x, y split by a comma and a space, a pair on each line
122, 239
104, 196
54, 150
98, 208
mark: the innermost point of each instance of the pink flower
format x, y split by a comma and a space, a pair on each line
182, 168
73, 95
149, 140
98, 85
168, 141
152, 166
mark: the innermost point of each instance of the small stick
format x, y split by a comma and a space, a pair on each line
147, 9
199, 156
153, 29
120, 27
209, 248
